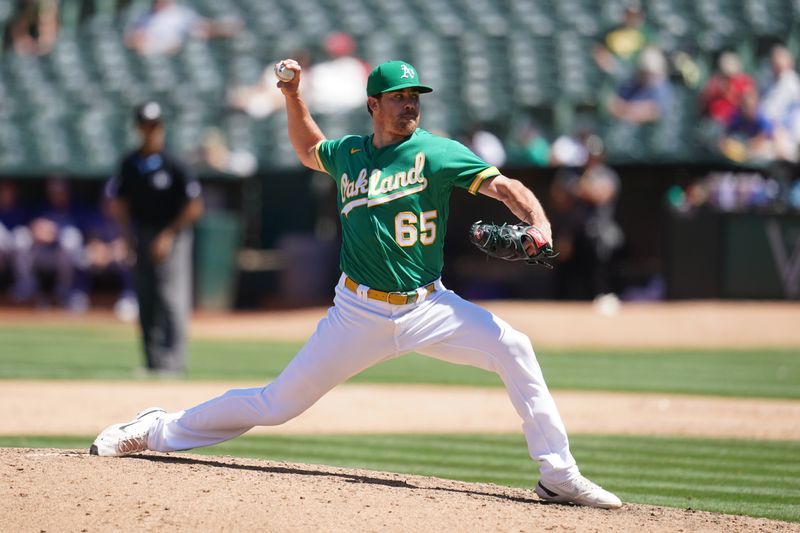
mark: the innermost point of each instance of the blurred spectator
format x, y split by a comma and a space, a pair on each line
33, 28
262, 98
15, 238
57, 247
780, 103
584, 227
727, 192
217, 155
721, 96
12, 215
570, 150
783, 90
166, 26
647, 96
791, 133
619, 49
527, 145
486, 145
749, 136
336, 85
106, 252
567, 218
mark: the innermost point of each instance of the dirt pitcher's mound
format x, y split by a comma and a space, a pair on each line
57, 490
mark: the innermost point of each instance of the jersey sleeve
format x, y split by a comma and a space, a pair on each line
325, 152
462, 168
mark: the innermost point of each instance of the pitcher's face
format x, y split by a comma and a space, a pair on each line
397, 111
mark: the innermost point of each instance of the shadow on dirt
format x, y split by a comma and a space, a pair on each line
349, 478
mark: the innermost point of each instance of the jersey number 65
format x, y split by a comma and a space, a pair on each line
406, 232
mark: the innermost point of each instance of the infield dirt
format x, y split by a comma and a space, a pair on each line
56, 490
696, 324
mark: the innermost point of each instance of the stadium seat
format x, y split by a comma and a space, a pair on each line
488, 61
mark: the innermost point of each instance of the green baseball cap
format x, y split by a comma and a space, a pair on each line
393, 76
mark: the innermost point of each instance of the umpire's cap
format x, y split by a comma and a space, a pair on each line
393, 76
149, 112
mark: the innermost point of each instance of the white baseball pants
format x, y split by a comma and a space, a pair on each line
358, 333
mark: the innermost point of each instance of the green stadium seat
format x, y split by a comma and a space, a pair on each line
489, 61
534, 17
578, 16
14, 146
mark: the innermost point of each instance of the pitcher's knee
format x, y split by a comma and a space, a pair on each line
516, 345
274, 410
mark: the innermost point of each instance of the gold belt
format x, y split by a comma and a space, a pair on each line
394, 298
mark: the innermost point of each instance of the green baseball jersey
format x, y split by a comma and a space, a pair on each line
393, 204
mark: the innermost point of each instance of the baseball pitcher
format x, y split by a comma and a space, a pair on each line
393, 194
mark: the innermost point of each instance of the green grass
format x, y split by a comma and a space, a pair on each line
729, 476
93, 352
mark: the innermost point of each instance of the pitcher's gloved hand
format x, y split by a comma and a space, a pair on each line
517, 242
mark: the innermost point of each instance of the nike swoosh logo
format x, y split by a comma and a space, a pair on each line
122, 427
548, 491
354, 150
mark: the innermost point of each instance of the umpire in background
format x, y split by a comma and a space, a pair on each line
156, 202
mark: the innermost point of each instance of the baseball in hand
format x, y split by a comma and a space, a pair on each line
283, 73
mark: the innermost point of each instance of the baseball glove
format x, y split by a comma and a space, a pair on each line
513, 243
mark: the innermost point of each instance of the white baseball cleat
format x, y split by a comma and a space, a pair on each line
127, 438
580, 491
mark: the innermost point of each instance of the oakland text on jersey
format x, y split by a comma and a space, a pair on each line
380, 190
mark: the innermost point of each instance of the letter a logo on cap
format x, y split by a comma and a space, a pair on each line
394, 76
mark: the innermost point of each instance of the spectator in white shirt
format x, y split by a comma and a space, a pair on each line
336, 85
780, 100
166, 26
784, 89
